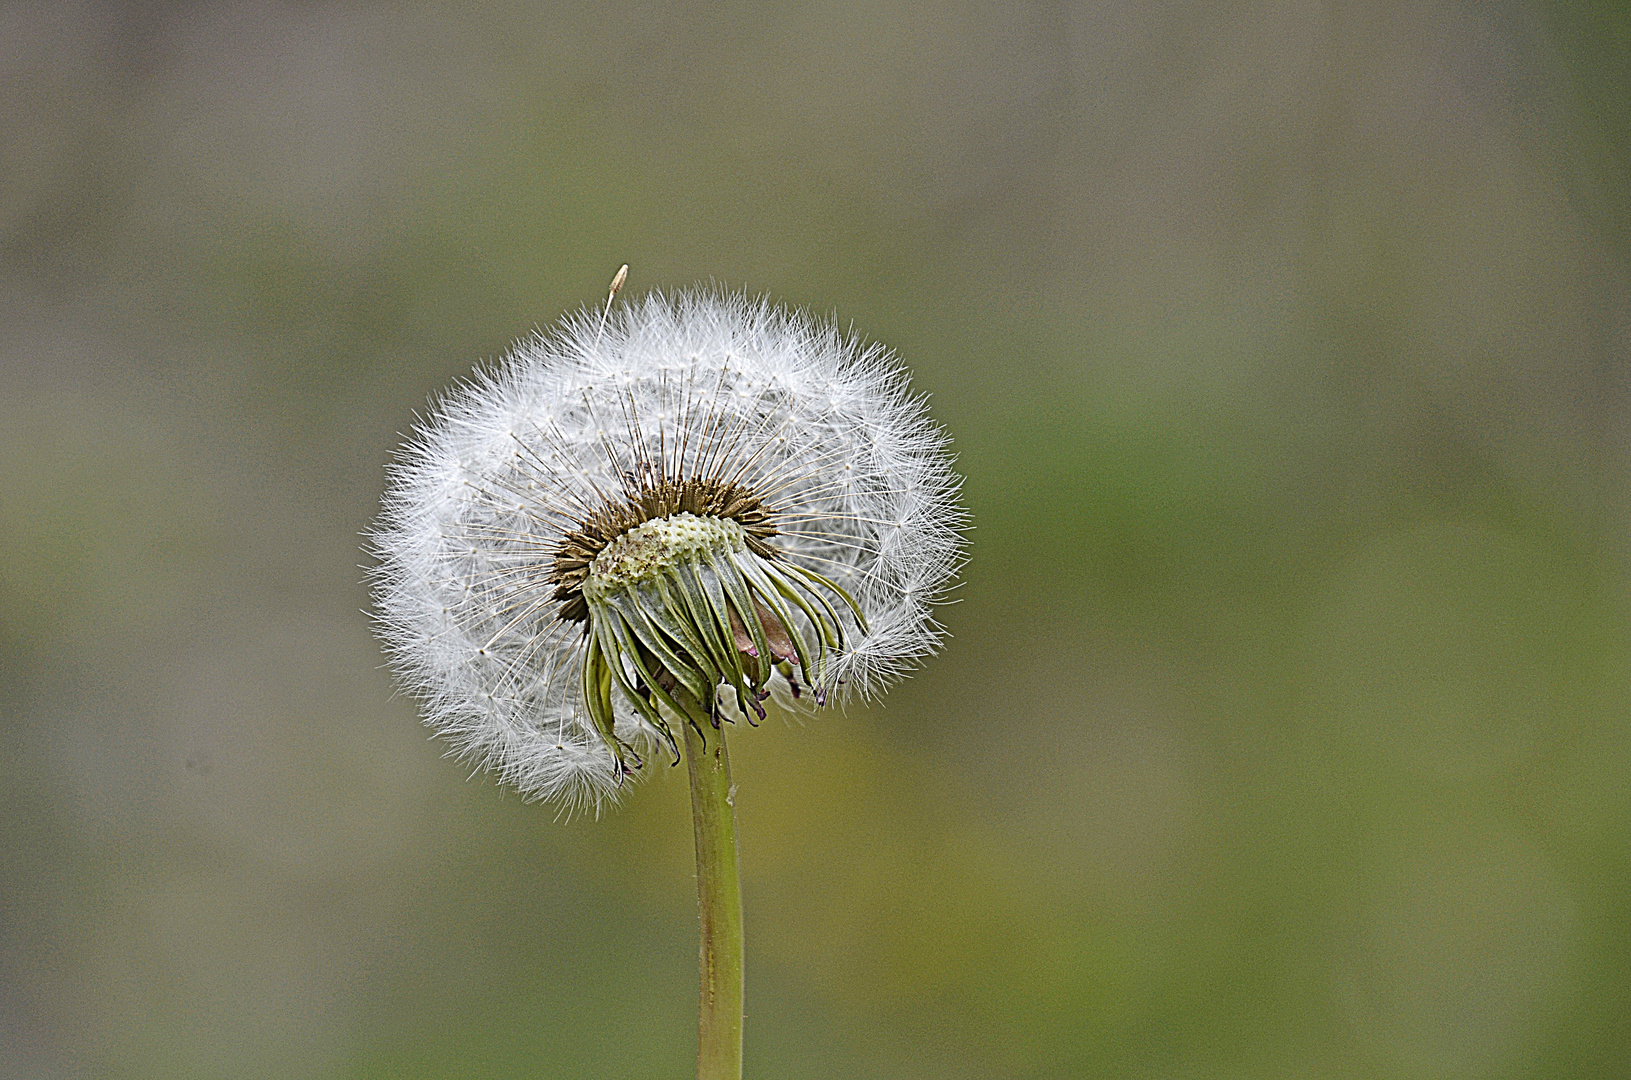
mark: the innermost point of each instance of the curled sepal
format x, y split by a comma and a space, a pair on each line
681, 606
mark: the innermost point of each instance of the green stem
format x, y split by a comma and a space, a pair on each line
719, 899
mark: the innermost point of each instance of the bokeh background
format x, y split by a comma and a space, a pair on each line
1283, 732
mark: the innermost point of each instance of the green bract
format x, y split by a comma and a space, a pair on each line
680, 605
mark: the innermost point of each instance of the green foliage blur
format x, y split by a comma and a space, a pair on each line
1284, 728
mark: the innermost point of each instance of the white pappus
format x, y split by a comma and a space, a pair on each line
672, 511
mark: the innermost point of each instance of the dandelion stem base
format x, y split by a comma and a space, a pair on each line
719, 899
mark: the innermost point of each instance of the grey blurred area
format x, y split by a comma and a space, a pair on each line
1283, 729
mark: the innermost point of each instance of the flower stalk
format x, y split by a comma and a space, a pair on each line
719, 898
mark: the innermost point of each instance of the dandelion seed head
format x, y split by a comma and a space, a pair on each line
698, 496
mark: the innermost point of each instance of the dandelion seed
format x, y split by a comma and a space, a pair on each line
699, 495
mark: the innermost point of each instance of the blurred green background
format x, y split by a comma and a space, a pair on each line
1283, 732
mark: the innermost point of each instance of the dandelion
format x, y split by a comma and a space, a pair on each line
647, 522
